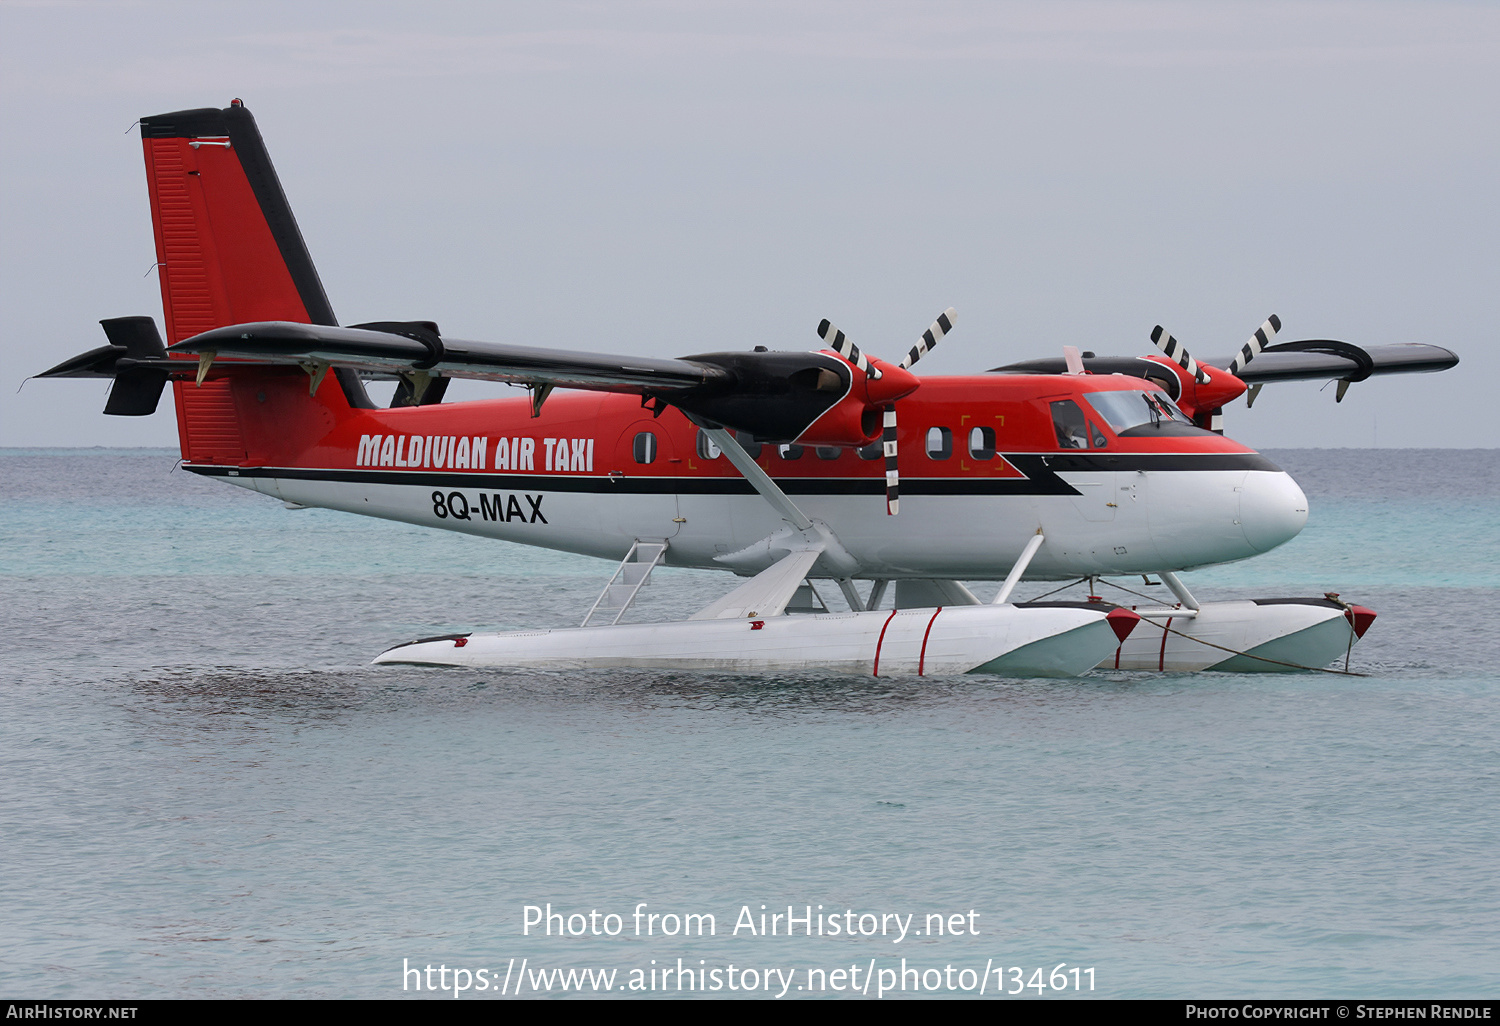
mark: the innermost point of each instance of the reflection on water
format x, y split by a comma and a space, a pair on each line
205, 790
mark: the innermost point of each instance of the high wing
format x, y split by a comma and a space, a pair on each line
1311, 360
1326, 359
405, 347
775, 396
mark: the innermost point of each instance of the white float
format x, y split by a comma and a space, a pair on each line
1254, 635
1016, 642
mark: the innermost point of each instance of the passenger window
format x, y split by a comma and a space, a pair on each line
939, 443
982, 443
873, 451
644, 447
706, 448
1067, 420
827, 452
1097, 436
748, 443
789, 451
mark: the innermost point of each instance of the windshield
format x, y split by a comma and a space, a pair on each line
1125, 410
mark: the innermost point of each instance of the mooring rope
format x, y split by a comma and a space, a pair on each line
1251, 655
1345, 672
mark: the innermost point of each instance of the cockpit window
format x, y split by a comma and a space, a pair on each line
1068, 421
1125, 410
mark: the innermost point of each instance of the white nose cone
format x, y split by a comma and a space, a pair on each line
1273, 509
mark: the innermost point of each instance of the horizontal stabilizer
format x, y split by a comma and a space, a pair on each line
136, 359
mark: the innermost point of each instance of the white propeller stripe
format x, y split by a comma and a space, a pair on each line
840, 344
1258, 342
930, 338
1175, 350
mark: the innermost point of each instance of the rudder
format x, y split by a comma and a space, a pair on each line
229, 252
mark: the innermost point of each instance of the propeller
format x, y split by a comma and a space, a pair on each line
840, 343
1175, 350
1251, 349
1210, 415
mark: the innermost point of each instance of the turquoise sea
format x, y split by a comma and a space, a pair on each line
206, 791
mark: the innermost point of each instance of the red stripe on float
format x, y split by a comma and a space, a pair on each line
876, 671
922, 659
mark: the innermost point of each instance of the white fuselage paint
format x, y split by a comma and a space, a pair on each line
1127, 522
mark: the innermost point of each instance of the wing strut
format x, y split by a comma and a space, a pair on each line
804, 533
758, 478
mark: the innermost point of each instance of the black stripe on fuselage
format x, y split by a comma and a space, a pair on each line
1041, 470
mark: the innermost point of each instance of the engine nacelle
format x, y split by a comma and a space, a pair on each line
810, 398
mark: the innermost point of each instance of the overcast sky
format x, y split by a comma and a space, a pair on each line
667, 178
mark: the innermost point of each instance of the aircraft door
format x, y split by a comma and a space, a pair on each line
643, 494
1085, 461
1097, 497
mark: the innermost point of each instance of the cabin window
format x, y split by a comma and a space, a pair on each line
827, 452
939, 443
982, 443
873, 451
644, 447
1068, 422
748, 443
706, 448
789, 451
1097, 436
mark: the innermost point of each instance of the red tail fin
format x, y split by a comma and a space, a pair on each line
229, 252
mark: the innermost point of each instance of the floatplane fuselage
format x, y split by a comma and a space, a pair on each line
596, 472
784, 467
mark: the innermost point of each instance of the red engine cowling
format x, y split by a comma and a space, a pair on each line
1202, 402
856, 418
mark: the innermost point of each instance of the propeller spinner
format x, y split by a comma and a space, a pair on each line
840, 343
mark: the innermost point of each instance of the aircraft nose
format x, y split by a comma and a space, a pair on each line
1273, 509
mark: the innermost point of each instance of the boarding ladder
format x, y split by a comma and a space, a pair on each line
634, 569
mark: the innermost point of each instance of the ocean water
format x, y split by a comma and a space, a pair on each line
206, 791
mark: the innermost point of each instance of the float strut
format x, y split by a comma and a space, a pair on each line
1179, 589
1016, 571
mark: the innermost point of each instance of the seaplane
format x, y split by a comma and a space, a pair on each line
792, 469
